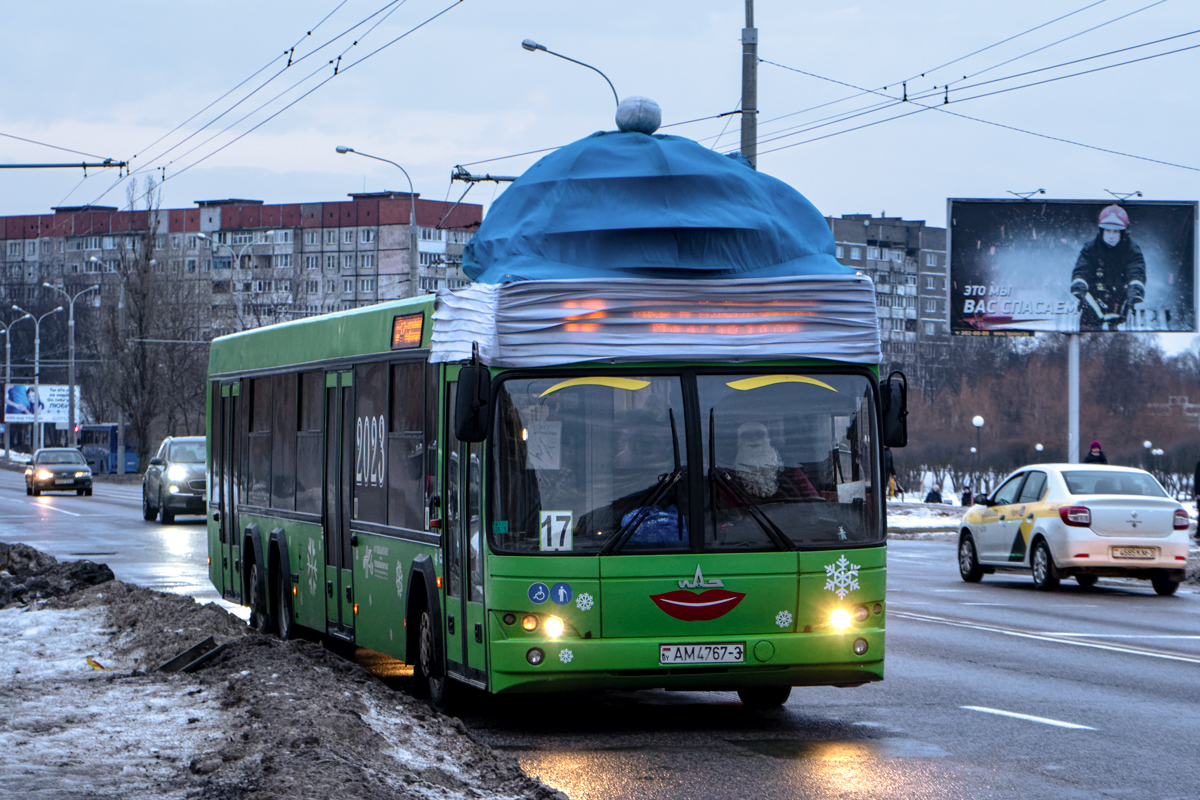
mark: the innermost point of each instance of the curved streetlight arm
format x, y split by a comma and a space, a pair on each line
343, 150
533, 46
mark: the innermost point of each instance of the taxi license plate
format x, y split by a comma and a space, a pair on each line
65, 480
669, 654
1134, 552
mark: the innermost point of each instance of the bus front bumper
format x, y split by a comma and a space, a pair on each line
794, 659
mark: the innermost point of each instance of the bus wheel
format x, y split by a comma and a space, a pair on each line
283, 611
260, 618
149, 512
438, 688
764, 698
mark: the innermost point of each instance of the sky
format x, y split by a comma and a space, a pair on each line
431, 84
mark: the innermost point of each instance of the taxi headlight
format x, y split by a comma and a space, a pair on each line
840, 619
554, 627
176, 472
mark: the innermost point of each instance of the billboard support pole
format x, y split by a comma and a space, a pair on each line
1072, 398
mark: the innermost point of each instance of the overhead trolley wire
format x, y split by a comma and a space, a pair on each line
337, 71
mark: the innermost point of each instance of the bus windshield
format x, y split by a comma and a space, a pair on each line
591, 464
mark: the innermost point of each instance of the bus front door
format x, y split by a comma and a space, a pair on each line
464, 558
339, 464
225, 459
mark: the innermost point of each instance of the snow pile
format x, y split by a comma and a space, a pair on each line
920, 520
83, 713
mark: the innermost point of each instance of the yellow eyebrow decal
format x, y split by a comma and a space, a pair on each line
769, 380
615, 383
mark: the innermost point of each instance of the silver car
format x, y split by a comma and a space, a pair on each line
174, 482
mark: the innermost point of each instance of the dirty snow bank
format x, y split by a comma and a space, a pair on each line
83, 714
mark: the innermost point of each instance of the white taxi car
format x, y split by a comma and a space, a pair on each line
1084, 521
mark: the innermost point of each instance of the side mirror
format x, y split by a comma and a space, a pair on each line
473, 406
894, 396
156, 462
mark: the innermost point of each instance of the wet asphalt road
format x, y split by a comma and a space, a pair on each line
993, 690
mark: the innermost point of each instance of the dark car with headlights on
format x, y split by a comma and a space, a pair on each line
58, 469
174, 482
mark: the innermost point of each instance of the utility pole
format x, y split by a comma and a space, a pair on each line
750, 88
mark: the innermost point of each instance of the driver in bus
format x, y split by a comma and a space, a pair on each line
761, 469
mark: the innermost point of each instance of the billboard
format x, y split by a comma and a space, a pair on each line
52, 403
1071, 265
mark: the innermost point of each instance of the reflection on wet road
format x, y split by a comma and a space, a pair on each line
108, 527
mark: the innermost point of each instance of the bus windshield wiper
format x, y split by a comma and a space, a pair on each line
665, 482
772, 530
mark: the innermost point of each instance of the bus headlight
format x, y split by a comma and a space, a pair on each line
840, 619
529, 622
554, 627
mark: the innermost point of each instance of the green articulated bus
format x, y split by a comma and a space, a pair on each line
588, 482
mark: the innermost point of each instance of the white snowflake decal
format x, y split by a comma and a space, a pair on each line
584, 602
843, 577
565, 656
784, 619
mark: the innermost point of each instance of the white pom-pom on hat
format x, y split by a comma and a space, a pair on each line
638, 115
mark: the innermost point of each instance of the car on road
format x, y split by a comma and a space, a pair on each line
1081, 521
58, 469
174, 482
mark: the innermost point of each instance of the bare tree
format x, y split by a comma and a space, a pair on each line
148, 365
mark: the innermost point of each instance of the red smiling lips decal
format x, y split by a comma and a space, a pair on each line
715, 601
691, 607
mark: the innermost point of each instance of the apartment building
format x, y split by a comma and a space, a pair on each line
907, 261
248, 262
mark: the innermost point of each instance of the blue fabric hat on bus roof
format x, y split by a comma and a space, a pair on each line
635, 204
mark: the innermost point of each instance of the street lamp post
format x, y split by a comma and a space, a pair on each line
533, 47
977, 421
414, 282
37, 355
8, 378
71, 348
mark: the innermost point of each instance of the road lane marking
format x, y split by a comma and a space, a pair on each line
59, 510
1045, 637
1015, 715
1006, 605
1127, 635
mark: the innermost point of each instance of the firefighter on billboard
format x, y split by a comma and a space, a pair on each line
1110, 274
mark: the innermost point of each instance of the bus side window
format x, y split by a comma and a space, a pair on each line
406, 447
309, 454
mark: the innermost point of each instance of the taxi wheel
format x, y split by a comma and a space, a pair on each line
1045, 576
1086, 580
764, 698
1164, 586
968, 561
